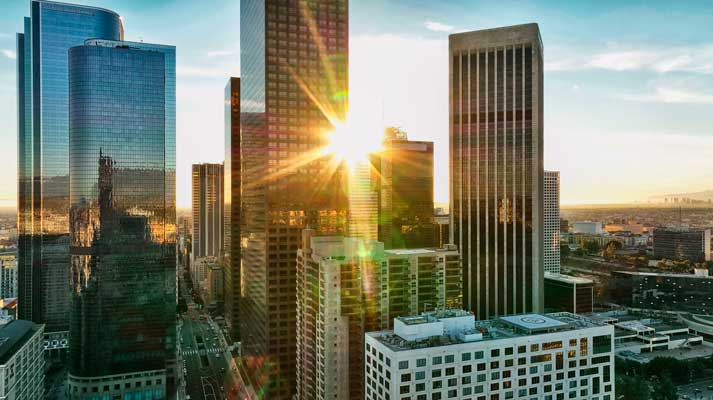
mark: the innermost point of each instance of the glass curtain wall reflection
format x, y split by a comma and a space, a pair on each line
293, 85
43, 164
122, 218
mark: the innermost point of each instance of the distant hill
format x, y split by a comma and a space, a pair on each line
698, 196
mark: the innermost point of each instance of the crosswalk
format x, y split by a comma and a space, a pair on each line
193, 352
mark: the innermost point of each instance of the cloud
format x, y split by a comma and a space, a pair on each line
438, 27
669, 96
692, 59
220, 53
9, 54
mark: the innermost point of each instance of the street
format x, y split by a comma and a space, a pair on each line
210, 371
702, 390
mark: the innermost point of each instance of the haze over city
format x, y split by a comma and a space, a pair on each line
627, 98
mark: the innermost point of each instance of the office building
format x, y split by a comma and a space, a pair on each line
441, 224
214, 285
568, 293
43, 154
450, 355
294, 58
587, 227
207, 209
551, 234
22, 362
682, 244
418, 280
337, 302
232, 208
363, 198
123, 220
496, 167
8, 277
662, 291
199, 272
404, 178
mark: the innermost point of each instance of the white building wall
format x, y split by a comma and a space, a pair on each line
552, 222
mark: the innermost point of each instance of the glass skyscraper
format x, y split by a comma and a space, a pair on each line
43, 163
207, 209
122, 220
232, 208
293, 60
496, 167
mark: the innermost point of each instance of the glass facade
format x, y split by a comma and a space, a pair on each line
293, 83
43, 165
496, 167
207, 207
122, 212
232, 207
405, 174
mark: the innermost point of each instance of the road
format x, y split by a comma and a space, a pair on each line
697, 390
211, 372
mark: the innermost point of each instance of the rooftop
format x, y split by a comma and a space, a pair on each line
13, 335
443, 328
567, 279
664, 274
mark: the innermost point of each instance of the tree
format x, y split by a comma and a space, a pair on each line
664, 389
632, 388
564, 251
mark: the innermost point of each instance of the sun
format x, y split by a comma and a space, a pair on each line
353, 140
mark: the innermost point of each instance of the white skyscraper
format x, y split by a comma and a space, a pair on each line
552, 222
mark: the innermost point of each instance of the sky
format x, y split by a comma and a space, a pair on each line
628, 84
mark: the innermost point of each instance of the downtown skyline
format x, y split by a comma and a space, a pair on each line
650, 84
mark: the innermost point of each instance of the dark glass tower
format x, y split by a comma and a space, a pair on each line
405, 176
122, 219
293, 84
496, 168
207, 207
231, 262
43, 148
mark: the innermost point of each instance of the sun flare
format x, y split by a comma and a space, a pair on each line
353, 140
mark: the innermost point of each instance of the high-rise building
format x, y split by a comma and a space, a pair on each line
496, 167
22, 362
337, 302
682, 244
207, 206
363, 209
8, 277
43, 155
551, 232
122, 220
348, 286
293, 86
419, 280
568, 293
450, 355
405, 183
232, 208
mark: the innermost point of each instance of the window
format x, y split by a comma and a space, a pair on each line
465, 357
437, 360
478, 355
601, 344
494, 352
421, 362
436, 373
405, 377
404, 389
450, 371
420, 375
403, 364
450, 359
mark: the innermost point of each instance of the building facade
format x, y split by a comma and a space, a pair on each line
43, 161
293, 88
337, 302
551, 234
662, 291
8, 277
419, 280
207, 208
450, 355
404, 178
215, 285
568, 293
682, 244
496, 167
232, 207
122, 219
22, 362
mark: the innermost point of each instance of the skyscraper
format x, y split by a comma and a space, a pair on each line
552, 222
43, 161
122, 219
496, 167
293, 58
405, 176
207, 207
232, 208
337, 302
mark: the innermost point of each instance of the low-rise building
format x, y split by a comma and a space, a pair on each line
568, 293
662, 291
590, 227
682, 244
22, 362
450, 355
